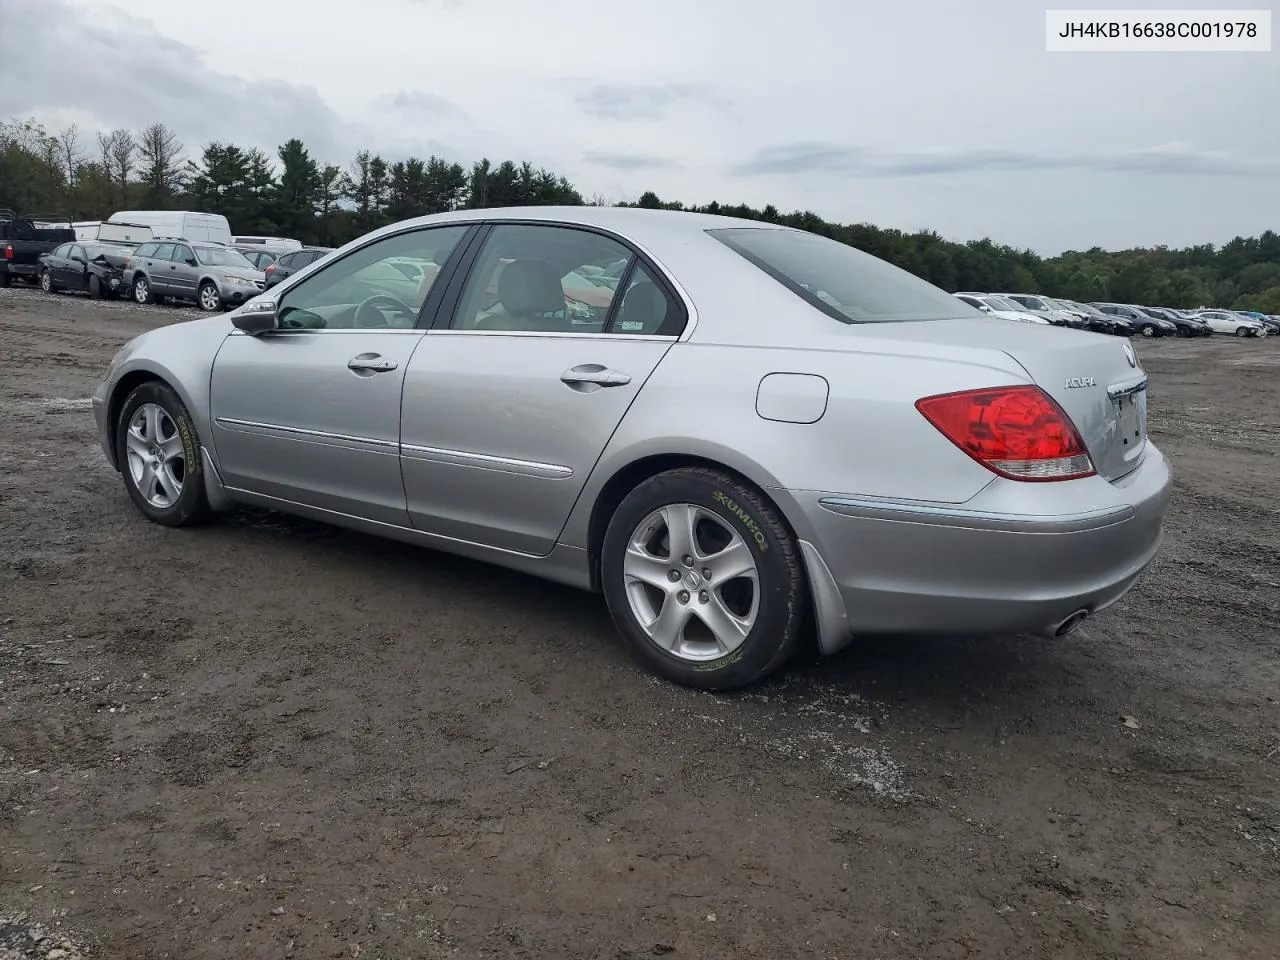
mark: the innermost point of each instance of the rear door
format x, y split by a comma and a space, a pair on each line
509, 404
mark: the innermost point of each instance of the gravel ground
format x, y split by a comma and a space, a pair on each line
268, 738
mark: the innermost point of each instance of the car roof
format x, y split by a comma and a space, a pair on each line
638, 223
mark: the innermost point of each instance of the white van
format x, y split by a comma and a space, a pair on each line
270, 244
187, 224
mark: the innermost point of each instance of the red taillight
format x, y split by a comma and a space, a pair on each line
1018, 432
8, 251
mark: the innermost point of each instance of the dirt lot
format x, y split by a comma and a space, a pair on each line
268, 738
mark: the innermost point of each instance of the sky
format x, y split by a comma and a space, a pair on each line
914, 114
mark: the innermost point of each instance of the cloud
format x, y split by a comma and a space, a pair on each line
630, 161
424, 104
132, 77
614, 101
1176, 159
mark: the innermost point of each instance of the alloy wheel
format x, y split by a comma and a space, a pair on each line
209, 299
157, 463
140, 290
692, 582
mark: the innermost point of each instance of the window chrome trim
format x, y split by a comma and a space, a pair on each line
296, 331
553, 335
484, 461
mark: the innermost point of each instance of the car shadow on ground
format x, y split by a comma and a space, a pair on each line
941, 677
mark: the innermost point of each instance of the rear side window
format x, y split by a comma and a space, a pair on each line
147, 250
287, 260
840, 280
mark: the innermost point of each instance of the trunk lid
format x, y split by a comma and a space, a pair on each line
1095, 378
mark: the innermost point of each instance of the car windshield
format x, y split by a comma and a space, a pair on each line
222, 257
840, 280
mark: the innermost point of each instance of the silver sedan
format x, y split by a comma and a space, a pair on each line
747, 437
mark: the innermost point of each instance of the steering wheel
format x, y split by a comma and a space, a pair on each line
369, 314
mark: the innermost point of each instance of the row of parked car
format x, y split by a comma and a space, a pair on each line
1123, 319
148, 256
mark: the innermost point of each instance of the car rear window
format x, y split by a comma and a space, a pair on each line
840, 280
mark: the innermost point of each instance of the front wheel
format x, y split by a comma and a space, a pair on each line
1242, 331
159, 455
1148, 330
703, 579
209, 297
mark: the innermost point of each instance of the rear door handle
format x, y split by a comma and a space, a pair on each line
371, 363
589, 375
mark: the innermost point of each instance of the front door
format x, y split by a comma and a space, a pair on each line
507, 410
310, 412
183, 272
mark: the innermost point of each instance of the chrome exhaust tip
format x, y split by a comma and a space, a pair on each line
1069, 625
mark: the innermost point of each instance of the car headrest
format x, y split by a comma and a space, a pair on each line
530, 288
643, 309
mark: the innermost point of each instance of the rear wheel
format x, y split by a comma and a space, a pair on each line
142, 290
46, 282
159, 455
703, 579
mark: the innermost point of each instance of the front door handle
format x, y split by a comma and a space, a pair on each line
366, 363
594, 375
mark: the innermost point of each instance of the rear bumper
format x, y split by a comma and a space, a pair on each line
20, 269
999, 564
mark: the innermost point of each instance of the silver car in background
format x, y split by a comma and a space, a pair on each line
750, 435
212, 275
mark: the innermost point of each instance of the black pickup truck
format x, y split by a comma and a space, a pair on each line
24, 239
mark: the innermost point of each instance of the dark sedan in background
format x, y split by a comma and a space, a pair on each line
286, 265
89, 267
1187, 326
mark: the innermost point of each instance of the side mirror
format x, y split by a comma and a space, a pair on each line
80, 260
191, 262
256, 317
984, 308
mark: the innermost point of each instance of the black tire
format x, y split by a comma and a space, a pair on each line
46, 282
783, 605
142, 290
1148, 330
192, 504
4, 278
1242, 331
96, 289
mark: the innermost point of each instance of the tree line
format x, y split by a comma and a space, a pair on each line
297, 195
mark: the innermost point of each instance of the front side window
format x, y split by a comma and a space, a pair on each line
365, 289
531, 278
840, 280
